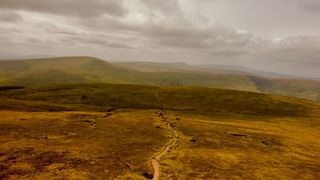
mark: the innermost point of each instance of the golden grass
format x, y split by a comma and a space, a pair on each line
222, 134
244, 148
119, 145
78, 145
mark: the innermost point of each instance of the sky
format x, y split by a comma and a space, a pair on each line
280, 36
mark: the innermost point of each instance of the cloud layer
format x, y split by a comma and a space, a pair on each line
80, 8
156, 30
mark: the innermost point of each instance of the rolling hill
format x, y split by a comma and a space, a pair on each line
39, 72
70, 70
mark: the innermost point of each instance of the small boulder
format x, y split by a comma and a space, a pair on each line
55, 166
147, 175
238, 135
265, 142
44, 137
193, 140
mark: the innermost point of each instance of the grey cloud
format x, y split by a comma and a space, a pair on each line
212, 39
170, 6
158, 30
9, 16
154, 32
311, 5
96, 40
299, 49
80, 8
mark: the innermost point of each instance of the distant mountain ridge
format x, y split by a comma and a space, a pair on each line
213, 68
70, 70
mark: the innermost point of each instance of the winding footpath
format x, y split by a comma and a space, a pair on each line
155, 161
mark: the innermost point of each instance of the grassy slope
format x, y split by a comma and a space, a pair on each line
86, 69
155, 67
191, 99
62, 70
289, 87
307, 89
91, 70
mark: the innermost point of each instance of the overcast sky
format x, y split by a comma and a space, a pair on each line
273, 35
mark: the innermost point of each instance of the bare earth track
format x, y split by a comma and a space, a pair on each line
155, 161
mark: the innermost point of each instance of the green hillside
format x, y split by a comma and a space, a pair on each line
306, 89
50, 71
71, 70
189, 99
62, 70
155, 67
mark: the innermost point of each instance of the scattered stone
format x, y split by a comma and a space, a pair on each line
265, 142
193, 140
238, 135
84, 97
106, 171
177, 118
91, 121
158, 127
107, 114
22, 119
147, 175
92, 162
58, 166
44, 137
129, 166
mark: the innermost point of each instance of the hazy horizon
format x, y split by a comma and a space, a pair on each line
278, 36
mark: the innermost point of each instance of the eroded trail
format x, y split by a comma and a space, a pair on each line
155, 161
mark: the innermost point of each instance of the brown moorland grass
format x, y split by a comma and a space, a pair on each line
104, 145
222, 134
244, 148
78, 145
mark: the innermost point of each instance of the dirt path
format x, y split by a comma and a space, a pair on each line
155, 161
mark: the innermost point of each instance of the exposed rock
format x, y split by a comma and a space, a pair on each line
266, 142
55, 166
107, 114
238, 135
44, 137
147, 175
193, 140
